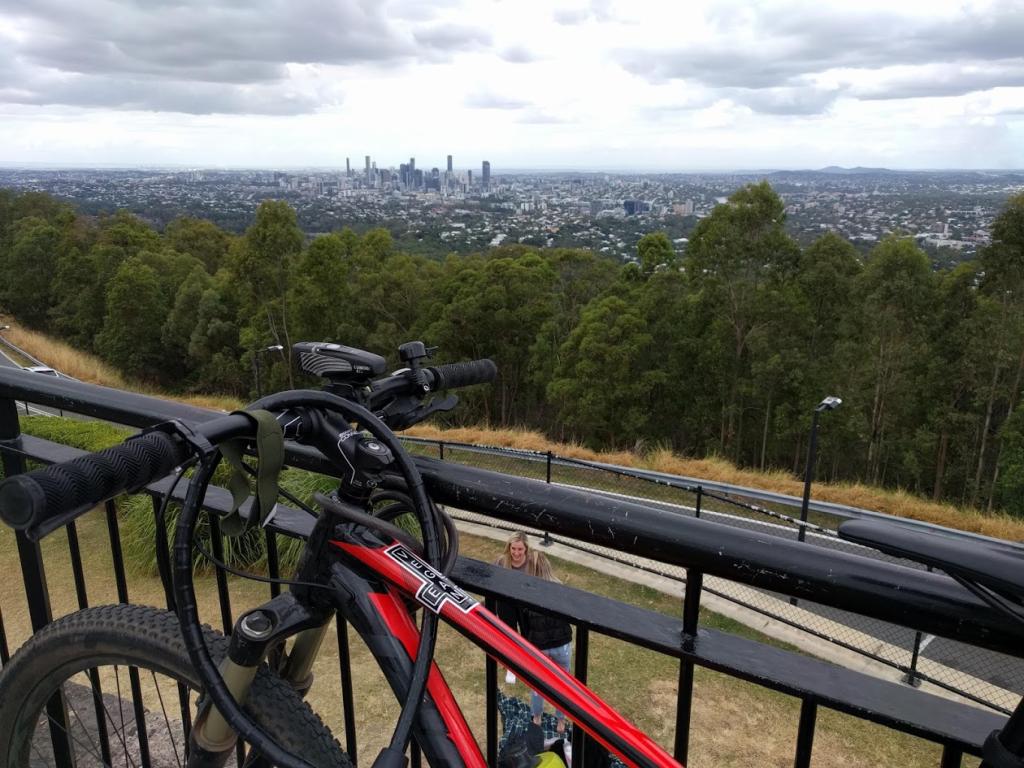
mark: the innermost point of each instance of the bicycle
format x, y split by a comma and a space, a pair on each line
357, 562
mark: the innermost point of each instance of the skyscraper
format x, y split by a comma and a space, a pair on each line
369, 179
485, 182
348, 167
449, 163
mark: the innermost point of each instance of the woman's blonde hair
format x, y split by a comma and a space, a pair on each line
537, 563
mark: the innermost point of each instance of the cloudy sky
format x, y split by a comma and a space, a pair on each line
677, 85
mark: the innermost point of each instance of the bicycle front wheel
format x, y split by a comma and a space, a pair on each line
129, 694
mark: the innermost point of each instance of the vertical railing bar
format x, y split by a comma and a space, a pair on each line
582, 653
140, 717
491, 682
34, 578
952, 756
805, 733
76, 565
38, 596
163, 564
440, 449
345, 671
684, 701
684, 697
223, 595
273, 561
580, 667
700, 496
911, 677
120, 579
5, 652
163, 555
77, 570
691, 601
101, 720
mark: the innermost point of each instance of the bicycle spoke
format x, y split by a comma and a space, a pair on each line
91, 717
167, 722
67, 733
71, 703
120, 707
101, 723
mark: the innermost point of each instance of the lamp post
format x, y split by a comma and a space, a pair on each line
830, 403
256, 365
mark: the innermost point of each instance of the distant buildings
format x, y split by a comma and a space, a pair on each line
950, 213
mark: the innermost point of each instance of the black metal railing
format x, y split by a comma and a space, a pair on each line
703, 549
961, 669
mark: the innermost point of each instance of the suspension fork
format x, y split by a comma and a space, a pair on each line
212, 738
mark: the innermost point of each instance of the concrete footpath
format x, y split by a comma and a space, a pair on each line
807, 643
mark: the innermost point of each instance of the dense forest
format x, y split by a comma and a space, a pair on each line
724, 349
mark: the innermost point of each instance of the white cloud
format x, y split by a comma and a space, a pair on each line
653, 84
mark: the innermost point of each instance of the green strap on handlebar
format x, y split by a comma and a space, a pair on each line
270, 458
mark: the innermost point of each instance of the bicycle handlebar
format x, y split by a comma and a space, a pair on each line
453, 375
45, 499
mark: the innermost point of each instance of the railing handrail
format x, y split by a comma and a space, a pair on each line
688, 483
933, 602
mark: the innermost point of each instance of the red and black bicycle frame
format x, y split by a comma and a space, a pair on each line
372, 583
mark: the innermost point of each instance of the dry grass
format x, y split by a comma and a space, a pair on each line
734, 723
87, 367
63, 357
898, 502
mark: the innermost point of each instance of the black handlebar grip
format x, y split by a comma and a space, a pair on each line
66, 490
465, 374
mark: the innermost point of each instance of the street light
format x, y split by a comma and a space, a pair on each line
256, 364
830, 403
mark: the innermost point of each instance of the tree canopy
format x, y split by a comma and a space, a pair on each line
722, 348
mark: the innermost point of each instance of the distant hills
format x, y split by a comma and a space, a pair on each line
840, 171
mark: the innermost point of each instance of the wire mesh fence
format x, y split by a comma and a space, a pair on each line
986, 677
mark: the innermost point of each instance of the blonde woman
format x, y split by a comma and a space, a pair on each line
551, 635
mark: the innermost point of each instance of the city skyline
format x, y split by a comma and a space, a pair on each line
576, 85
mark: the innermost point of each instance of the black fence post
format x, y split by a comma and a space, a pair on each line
700, 496
684, 701
911, 677
491, 681
805, 733
347, 699
440, 450
546, 541
579, 738
952, 757
34, 575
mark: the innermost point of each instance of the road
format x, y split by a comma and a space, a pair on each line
29, 408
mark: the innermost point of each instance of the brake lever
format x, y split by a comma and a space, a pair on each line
402, 418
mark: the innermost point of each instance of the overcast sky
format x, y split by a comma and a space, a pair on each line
678, 85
